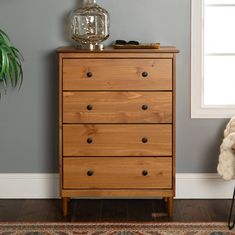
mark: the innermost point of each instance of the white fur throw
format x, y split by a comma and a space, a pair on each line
226, 166
230, 128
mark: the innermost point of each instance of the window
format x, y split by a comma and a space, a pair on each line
213, 59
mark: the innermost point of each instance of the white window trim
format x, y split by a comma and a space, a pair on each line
198, 110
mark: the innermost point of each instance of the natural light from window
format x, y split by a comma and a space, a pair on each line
219, 53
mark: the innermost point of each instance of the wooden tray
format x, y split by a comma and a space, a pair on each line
140, 46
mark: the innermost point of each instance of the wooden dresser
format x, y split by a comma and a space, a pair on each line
117, 124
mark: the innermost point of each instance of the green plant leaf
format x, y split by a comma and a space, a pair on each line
3, 34
3, 62
17, 53
10, 63
5, 38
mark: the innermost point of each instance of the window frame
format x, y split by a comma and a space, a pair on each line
198, 109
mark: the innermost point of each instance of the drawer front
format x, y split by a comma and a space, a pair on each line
117, 74
117, 107
116, 173
117, 140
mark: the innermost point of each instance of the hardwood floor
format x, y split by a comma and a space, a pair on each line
118, 210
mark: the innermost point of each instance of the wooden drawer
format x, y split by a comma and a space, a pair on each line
116, 173
117, 107
117, 140
117, 74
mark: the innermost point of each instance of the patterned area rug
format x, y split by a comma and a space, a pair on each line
115, 229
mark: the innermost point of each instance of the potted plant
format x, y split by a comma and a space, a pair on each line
11, 73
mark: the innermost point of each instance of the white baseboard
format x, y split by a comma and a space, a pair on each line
14, 186
190, 186
203, 186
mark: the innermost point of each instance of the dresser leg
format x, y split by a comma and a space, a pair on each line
65, 201
170, 205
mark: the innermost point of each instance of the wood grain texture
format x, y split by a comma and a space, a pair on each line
117, 140
117, 74
118, 210
118, 173
60, 124
163, 50
121, 55
65, 201
117, 107
114, 84
121, 193
174, 123
170, 205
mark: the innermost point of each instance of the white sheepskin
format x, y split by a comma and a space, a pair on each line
226, 165
230, 128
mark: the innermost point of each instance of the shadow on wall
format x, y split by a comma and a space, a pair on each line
212, 151
51, 138
52, 112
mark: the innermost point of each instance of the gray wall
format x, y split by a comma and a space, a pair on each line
28, 118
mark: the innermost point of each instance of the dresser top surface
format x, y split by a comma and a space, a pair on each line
162, 49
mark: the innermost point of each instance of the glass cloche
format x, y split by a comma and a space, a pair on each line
90, 25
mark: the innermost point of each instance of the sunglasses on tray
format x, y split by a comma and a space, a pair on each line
123, 42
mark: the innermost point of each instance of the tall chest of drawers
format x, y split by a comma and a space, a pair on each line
117, 123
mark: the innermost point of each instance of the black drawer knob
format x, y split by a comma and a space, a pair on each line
90, 173
145, 107
145, 74
89, 140
145, 140
89, 107
144, 173
89, 74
